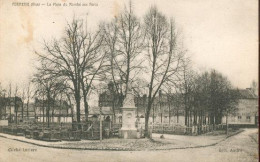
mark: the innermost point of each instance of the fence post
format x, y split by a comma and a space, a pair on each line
163, 128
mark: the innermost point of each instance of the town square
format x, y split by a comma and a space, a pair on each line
129, 81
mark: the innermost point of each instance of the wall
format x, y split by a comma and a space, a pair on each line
247, 111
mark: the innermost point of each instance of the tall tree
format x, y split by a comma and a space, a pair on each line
185, 87
23, 97
2, 102
28, 96
163, 56
16, 106
9, 103
124, 42
230, 99
47, 87
76, 58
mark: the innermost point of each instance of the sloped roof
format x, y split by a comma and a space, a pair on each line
30, 107
247, 94
57, 104
11, 100
96, 110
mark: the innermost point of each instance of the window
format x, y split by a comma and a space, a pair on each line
239, 117
248, 118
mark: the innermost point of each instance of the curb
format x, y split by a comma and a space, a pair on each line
122, 149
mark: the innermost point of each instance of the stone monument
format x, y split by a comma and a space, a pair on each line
128, 130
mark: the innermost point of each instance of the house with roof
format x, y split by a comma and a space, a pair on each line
26, 112
105, 112
166, 108
247, 113
60, 110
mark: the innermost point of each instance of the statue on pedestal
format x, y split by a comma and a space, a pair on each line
128, 129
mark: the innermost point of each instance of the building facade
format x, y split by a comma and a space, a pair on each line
247, 114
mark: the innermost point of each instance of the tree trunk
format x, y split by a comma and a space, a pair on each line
86, 111
48, 109
177, 115
78, 109
153, 113
10, 112
146, 131
22, 109
227, 124
27, 113
34, 113
113, 108
16, 109
190, 118
43, 114
186, 117
5, 110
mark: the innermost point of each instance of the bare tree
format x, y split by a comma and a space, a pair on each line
230, 99
2, 102
39, 95
2, 90
124, 40
76, 58
186, 89
163, 55
46, 87
16, 102
9, 103
23, 97
28, 96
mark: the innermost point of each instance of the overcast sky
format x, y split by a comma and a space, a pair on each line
220, 34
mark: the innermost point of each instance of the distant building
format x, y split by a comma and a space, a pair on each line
28, 112
106, 112
60, 110
169, 108
161, 112
9, 106
247, 114
110, 98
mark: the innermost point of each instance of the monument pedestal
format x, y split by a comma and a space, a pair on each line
128, 130
128, 134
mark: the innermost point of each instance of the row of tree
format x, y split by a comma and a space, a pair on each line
47, 96
124, 50
207, 97
142, 53
16, 96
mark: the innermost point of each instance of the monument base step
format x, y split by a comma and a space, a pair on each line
128, 134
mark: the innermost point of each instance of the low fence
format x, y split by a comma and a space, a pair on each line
91, 130
185, 130
58, 132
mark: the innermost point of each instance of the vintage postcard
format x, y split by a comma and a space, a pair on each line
129, 80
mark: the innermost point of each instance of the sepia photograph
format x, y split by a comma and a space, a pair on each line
129, 80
